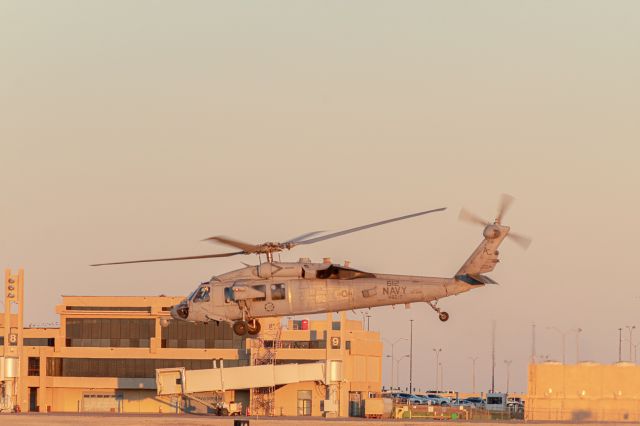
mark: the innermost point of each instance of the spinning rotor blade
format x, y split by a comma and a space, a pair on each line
371, 225
303, 236
505, 203
204, 256
246, 248
521, 240
470, 217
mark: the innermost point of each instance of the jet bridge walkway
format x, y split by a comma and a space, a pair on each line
178, 381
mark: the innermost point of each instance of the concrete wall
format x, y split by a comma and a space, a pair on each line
583, 392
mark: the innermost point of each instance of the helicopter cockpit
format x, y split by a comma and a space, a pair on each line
202, 294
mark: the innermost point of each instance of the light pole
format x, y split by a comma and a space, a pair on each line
508, 364
630, 328
635, 352
564, 335
398, 367
578, 331
473, 373
393, 356
619, 344
437, 351
441, 376
411, 357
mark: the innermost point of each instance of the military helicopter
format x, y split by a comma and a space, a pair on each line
273, 288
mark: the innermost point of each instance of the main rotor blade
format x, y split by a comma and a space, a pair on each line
371, 225
471, 217
204, 256
303, 236
247, 248
505, 203
521, 240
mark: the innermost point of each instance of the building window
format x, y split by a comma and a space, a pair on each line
304, 402
110, 308
277, 292
182, 334
33, 366
109, 332
38, 341
123, 368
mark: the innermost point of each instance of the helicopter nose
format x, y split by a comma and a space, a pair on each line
180, 312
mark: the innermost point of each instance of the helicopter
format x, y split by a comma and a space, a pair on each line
275, 289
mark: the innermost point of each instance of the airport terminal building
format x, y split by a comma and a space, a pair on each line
105, 352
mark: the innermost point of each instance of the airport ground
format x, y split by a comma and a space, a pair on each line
29, 419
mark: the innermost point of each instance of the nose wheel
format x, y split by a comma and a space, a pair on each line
442, 315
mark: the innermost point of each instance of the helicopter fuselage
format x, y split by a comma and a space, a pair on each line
283, 289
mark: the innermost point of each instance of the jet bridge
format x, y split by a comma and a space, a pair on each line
178, 381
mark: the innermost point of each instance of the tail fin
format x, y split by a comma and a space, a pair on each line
485, 257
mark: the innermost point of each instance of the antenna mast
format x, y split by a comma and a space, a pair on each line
493, 356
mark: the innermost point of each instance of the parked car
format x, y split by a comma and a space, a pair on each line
462, 403
434, 399
407, 398
476, 401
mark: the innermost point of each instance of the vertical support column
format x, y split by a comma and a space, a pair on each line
155, 342
13, 326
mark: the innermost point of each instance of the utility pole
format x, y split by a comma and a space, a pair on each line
473, 373
508, 364
493, 356
620, 344
437, 351
630, 328
411, 357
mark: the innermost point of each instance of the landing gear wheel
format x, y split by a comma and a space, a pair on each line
443, 316
240, 328
253, 327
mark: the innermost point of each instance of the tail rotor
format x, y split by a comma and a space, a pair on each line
492, 228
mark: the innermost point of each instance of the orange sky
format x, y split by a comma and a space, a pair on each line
134, 130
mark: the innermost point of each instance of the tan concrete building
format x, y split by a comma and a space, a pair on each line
584, 392
104, 354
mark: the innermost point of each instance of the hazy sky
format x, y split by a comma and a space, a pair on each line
135, 129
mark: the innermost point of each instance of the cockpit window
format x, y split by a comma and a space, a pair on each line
202, 294
277, 292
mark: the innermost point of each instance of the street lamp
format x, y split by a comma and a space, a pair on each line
508, 364
473, 373
578, 331
398, 367
393, 356
564, 335
437, 351
630, 328
411, 358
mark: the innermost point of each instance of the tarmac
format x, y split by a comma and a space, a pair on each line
29, 419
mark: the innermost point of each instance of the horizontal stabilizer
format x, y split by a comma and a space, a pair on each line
475, 279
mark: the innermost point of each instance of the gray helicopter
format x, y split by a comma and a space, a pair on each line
274, 289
